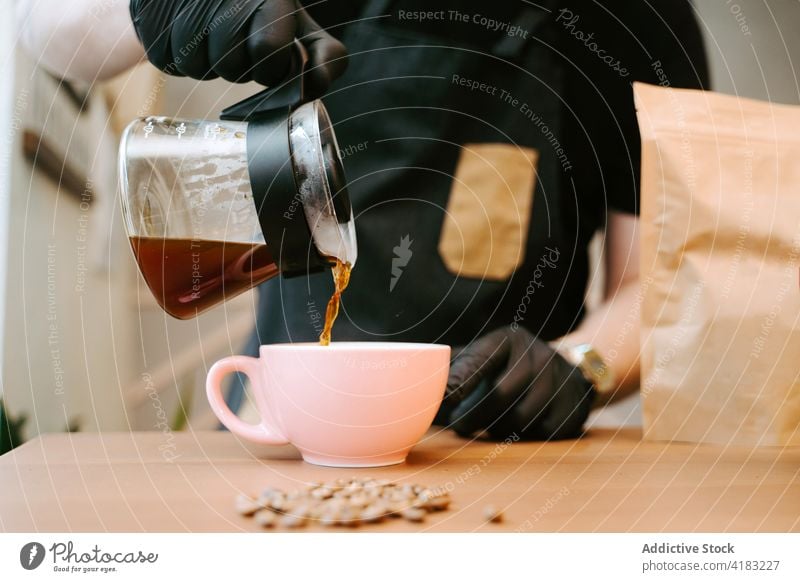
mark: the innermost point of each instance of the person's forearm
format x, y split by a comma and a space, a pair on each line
613, 330
85, 40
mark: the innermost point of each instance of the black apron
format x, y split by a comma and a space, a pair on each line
402, 121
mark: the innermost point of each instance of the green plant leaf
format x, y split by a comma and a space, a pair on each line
181, 418
10, 429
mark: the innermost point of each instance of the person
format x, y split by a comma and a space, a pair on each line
485, 145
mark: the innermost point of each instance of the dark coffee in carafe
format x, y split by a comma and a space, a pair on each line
189, 276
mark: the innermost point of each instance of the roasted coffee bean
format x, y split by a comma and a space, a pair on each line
246, 505
302, 510
263, 500
350, 516
359, 500
433, 502
265, 518
291, 520
414, 514
329, 519
322, 493
373, 513
346, 502
439, 503
492, 514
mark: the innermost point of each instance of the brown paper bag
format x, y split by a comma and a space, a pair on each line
720, 231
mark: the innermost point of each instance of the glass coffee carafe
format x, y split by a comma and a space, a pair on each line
213, 208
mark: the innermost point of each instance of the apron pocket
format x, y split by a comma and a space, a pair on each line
485, 228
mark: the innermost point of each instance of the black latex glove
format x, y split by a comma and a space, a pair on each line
238, 40
511, 383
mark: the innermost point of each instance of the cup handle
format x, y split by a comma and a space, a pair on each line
264, 432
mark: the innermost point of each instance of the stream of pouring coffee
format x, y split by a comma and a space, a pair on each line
341, 277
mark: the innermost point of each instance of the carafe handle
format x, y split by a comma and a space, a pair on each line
287, 95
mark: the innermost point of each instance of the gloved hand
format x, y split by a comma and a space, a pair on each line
238, 40
510, 382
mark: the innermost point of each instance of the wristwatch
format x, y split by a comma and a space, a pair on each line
588, 361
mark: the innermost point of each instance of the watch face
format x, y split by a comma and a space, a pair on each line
595, 368
598, 367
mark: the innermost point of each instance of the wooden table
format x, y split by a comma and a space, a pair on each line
607, 481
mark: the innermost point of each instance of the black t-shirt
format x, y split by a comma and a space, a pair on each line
574, 61
605, 45
657, 42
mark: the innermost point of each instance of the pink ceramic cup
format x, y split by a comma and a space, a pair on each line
349, 404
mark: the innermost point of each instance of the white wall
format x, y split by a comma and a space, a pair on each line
7, 106
69, 330
84, 340
754, 47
